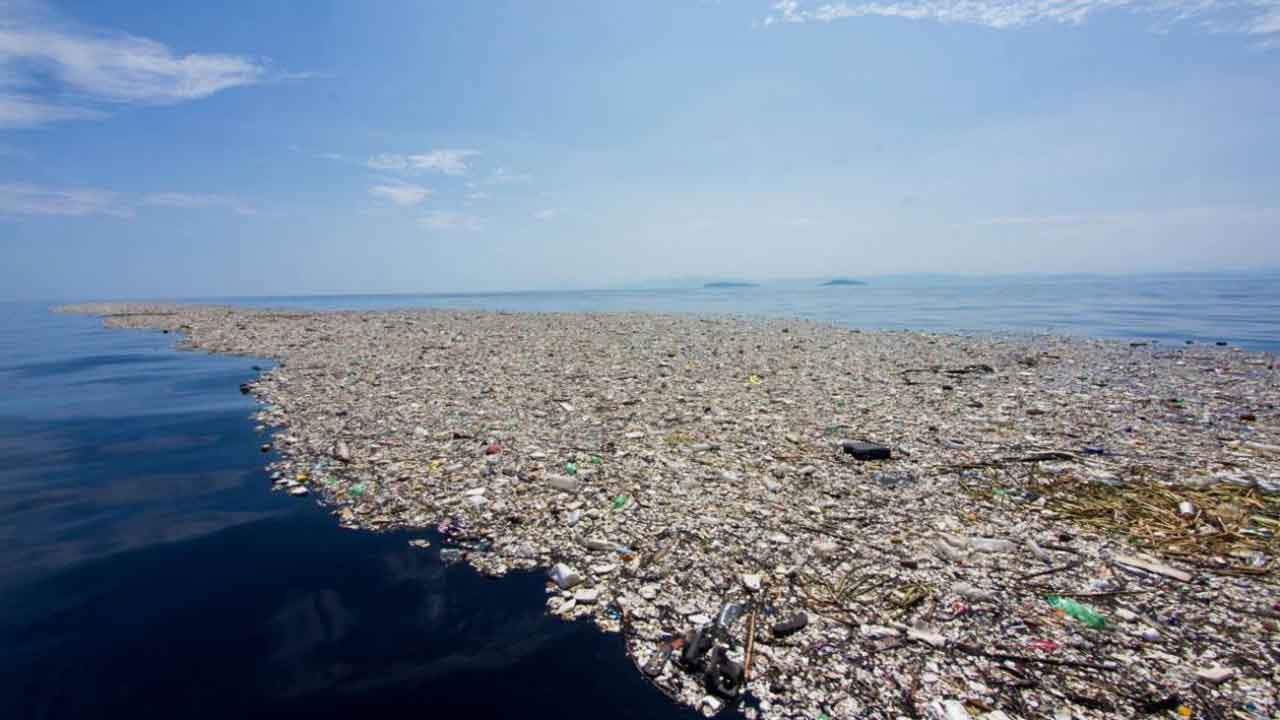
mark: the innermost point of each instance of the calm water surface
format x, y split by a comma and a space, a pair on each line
146, 570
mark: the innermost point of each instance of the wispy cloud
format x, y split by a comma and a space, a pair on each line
445, 220
503, 176
450, 161
30, 199
545, 214
1258, 18
388, 161
190, 201
52, 70
27, 199
18, 111
401, 193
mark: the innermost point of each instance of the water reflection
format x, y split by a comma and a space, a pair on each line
292, 614
146, 570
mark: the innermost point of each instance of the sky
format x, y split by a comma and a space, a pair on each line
197, 149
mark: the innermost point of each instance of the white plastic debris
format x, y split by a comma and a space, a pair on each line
1216, 675
564, 576
947, 710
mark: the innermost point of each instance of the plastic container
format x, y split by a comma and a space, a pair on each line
1079, 611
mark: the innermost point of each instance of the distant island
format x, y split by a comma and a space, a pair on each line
842, 281
729, 284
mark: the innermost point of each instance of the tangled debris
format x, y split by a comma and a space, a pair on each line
803, 521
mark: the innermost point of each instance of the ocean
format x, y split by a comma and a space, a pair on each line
146, 569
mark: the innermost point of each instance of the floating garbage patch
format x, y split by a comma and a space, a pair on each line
786, 519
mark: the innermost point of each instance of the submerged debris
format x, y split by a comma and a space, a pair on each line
1063, 527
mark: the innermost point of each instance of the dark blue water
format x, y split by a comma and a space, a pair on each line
145, 569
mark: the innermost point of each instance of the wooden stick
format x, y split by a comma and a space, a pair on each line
751, 636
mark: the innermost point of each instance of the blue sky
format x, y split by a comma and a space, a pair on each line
177, 149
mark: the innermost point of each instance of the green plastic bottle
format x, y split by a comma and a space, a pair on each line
1079, 611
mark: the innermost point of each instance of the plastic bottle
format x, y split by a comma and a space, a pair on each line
1079, 611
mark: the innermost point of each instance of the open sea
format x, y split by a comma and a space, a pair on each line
146, 570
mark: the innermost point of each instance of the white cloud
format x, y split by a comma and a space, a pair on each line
1259, 18
545, 214
191, 201
27, 199
388, 161
1267, 24
21, 111
450, 161
478, 195
43, 58
503, 176
401, 193
445, 220
329, 156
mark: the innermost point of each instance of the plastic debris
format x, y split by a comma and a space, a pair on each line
1216, 675
1022, 466
1137, 563
564, 576
864, 450
791, 625
1079, 611
948, 710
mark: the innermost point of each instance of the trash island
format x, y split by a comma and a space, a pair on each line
790, 519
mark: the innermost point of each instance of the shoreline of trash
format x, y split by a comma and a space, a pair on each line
800, 520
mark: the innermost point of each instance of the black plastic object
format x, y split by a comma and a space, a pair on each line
724, 676
1151, 706
696, 644
864, 450
791, 625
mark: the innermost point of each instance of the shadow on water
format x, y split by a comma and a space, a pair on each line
146, 569
289, 615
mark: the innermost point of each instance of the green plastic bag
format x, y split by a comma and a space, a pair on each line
1079, 611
